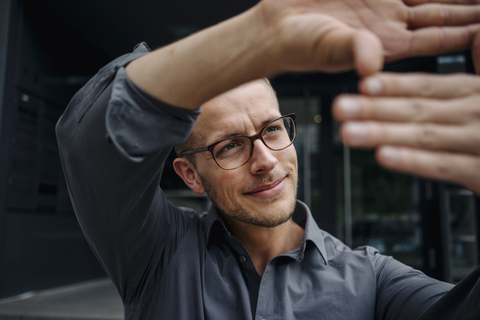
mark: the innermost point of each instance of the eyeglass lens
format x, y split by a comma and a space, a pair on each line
234, 152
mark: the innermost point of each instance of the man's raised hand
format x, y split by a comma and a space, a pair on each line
428, 125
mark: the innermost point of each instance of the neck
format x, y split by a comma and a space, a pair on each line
264, 244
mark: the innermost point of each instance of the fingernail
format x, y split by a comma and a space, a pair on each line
349, 107
356, 132
373, 85
390, 155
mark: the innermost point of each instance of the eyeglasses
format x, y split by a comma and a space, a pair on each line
233, 152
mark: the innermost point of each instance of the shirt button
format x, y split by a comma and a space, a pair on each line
243, 259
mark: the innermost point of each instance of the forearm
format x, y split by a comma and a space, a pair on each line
197, 68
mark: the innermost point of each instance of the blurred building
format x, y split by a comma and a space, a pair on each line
49, 49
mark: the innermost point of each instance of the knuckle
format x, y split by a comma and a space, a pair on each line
440, 39
408, 16
439, 14
377, 132
444, 169
444, 16
419, 110
427, 137
427, 88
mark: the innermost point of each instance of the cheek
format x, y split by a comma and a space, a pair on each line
224, 183
290, 156
230, 183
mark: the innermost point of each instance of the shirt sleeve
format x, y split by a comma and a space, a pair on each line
113, 140
406, 293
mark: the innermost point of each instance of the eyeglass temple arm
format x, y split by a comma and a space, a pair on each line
187, 152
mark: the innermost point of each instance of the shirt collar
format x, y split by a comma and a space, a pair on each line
313, 233
214, 223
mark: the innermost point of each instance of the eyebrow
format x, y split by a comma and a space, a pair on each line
232, 134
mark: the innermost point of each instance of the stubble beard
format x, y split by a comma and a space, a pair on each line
250, 217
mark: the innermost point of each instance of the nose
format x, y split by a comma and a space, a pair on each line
262, 159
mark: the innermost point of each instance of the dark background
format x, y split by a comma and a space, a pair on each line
49, 49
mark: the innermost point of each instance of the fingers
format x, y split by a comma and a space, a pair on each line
442, 15
445, 116
458, 168
414, 110
465, 139
420, 124
430, 41
420, 85
418, 98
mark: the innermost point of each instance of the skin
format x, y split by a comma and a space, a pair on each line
258, 199
303, 35
427, 125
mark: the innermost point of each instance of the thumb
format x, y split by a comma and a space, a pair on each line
347, 48
368, 56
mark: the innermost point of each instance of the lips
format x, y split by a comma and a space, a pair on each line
268, 190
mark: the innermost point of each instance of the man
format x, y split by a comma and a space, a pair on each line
257, 253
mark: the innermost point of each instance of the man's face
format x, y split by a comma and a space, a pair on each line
262, 192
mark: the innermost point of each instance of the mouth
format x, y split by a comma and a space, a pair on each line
267, 191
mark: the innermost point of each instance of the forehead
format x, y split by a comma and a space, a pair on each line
243, 110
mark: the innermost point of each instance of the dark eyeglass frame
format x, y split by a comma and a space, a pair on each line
252, 138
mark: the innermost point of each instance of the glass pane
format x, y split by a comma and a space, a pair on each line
463, 245
383, 204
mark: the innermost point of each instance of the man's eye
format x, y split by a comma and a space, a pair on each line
228, 149
230, 146
272, 129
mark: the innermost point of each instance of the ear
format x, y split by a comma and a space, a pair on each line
189, 175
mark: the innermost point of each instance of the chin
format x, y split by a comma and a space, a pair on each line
263, 220
268, 213
277, 212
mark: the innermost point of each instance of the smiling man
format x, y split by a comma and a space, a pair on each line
251, 181
257, 253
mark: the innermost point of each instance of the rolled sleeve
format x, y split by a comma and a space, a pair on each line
136, 121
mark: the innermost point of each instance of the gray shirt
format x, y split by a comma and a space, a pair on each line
171, 263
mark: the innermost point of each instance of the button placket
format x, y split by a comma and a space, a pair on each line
265, 302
